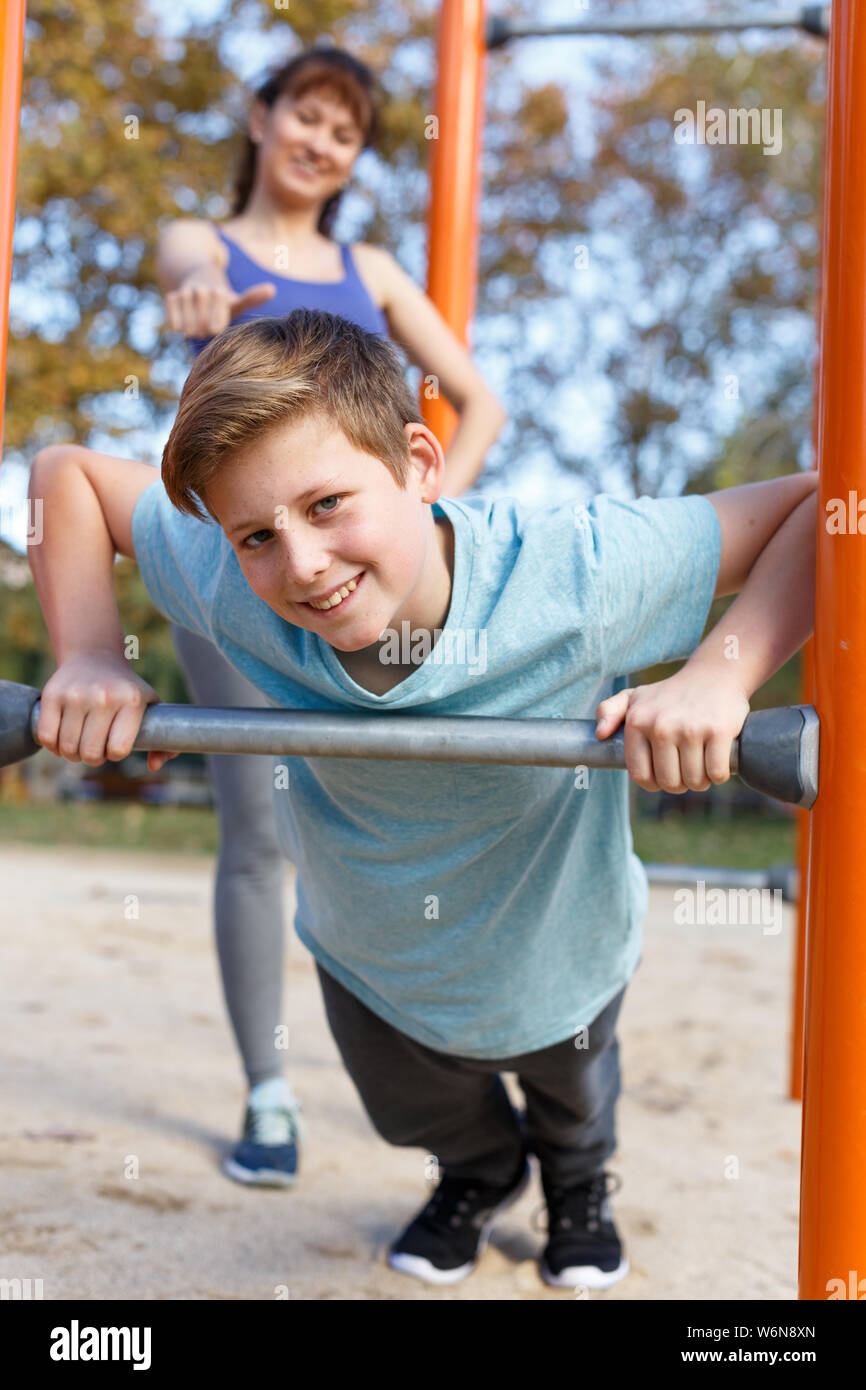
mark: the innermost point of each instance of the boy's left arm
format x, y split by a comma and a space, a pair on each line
679, 731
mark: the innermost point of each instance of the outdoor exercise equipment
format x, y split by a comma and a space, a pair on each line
833, 1204
776, 752
832, 1201
465, 38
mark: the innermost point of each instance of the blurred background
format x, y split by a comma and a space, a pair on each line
645, 311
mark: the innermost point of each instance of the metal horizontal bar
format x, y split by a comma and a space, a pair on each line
810, 19
776, 752
396, 737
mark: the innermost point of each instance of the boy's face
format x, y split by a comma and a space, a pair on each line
307, 514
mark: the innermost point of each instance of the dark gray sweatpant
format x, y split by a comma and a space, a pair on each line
457, 1108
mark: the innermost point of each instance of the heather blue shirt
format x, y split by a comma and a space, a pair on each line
484, 911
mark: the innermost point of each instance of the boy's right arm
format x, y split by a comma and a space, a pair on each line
92, 705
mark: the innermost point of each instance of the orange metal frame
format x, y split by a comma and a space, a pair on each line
452, 268
11, 59
833, 976
833, 1161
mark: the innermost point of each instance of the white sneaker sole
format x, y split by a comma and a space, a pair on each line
585, 1276
421, 1268
264, 1177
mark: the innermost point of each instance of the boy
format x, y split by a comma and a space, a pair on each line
465, 920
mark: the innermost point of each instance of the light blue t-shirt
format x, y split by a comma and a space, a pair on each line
486, 911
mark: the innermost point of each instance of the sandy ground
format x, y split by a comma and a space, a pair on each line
119, 1057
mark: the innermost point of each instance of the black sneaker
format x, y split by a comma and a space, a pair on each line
448, 1236
583, 1246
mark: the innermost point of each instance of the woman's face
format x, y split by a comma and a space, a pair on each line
307, 145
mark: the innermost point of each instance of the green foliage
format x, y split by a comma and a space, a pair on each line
746, 842
717, 299
125, 826
24, 643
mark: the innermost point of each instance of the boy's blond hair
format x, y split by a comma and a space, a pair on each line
277, 371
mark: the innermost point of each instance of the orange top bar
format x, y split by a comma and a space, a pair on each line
11, 60
833, 1164
452, 216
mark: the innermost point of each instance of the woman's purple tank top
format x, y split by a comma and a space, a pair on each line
348, 297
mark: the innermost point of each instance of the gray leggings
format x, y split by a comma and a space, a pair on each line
248, 901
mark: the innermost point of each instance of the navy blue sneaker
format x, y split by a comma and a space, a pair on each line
448, 1236
583, 1245
268, 1152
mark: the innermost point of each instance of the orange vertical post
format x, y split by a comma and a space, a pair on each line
833, 1162
11, 59
452, 216
807, 697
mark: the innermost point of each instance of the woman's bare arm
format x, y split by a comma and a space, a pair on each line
191, 264
185, 245
429, 343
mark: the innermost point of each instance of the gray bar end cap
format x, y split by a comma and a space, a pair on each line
778, 754
16, 711
498, 31
816, 20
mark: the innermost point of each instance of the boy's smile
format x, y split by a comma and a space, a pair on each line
326, 537
323, 603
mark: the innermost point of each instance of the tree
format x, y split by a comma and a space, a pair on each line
707, 261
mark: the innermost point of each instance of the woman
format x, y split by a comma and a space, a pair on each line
307, 126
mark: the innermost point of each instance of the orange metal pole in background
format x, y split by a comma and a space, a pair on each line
11, 59
452, 216
833, 1163
807, 697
